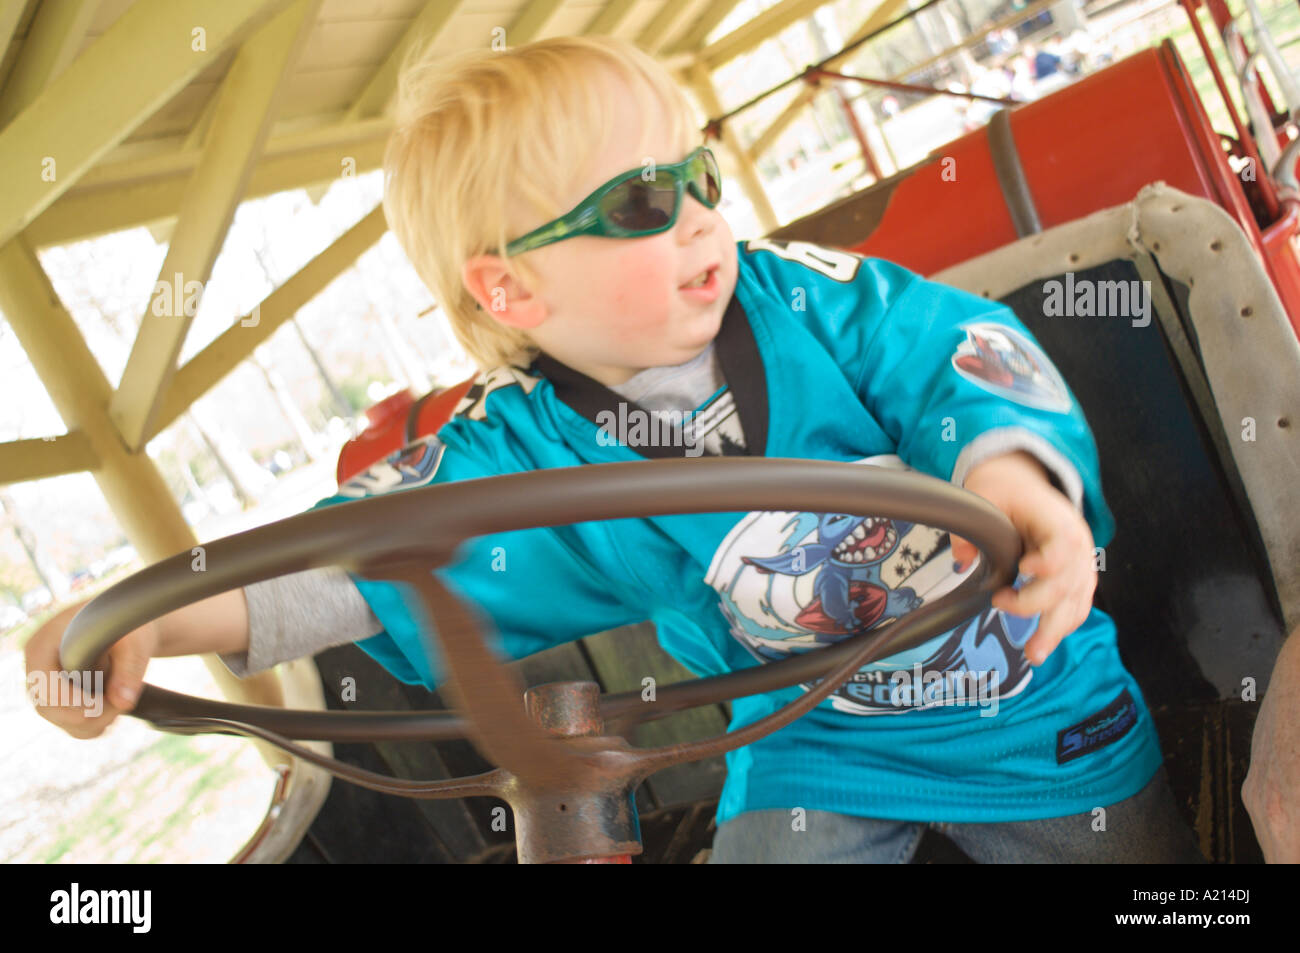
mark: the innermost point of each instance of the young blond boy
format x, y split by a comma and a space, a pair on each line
581, 322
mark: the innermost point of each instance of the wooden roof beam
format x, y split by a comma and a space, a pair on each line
131, 171
610, 16
55, 36
86, 213
206, 369
382, 86
531, 21
653, 36
753, 32
249, 99
38, 458
693, 40
878, 18
11, 14
96, 103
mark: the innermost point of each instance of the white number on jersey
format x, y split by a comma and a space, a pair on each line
831, 262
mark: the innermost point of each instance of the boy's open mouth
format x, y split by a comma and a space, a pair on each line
701, 280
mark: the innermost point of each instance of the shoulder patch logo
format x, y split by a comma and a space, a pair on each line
1004, 362
414, 465
474, 404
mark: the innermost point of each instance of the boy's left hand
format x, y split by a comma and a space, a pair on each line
1058, 549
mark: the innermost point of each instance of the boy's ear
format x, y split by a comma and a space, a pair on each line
503, 296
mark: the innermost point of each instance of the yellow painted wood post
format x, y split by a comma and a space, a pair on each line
750, 180
131, 483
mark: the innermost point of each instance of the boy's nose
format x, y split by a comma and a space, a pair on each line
695, 216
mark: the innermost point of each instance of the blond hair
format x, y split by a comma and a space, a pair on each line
484, 146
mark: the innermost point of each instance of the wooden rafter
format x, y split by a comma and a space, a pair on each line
41, 457
613, 13
248, 99
530, 22
11, 14
89, 212
878, 18
763, 27
55, 36
695, 36
654, 35
96, 103
206, 369
427, 25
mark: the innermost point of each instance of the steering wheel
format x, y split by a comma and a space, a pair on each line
570, 786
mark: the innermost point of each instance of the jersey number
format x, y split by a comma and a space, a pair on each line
834, 264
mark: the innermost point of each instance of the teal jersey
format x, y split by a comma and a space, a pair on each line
830, 356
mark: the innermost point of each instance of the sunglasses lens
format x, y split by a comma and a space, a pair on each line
708, 181
641, 206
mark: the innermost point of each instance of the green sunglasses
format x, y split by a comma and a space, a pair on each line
627, 206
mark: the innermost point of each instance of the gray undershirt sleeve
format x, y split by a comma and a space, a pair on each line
299, 615
993, 443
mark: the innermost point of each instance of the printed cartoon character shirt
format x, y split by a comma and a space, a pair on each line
824, 355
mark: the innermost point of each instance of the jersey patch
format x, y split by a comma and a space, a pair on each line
1005, 363
474, 404
414, 465
1095, 732
790, 583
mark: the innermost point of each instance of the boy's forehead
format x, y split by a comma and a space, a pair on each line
630, 157
633, 138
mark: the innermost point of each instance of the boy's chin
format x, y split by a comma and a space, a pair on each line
690, 347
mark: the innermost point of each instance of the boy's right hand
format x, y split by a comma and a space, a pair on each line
124, 663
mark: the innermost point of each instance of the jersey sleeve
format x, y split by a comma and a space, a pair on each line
953, 378
534, 587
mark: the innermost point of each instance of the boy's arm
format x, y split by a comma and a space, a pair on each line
533, 588
966, 394
298, 615
957, 380
965, 390
1058, 554
969, 395
954, 379
216, 624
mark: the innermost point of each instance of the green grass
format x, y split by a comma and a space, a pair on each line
73, 831
124, 811
149, 813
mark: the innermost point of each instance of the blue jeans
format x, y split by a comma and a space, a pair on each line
1143, 829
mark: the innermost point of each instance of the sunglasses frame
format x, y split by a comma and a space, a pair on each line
585, 217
